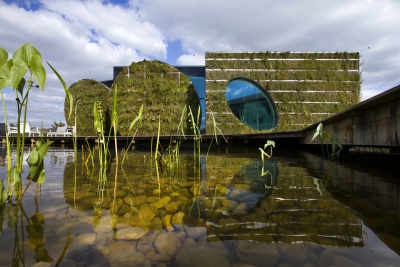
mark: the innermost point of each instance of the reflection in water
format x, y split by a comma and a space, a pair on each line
294, 212
35, 230
230, 210
251, 184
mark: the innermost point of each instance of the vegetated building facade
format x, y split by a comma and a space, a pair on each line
306, 87
240, 93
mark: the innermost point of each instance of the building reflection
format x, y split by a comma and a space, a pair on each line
293, 208
240, 198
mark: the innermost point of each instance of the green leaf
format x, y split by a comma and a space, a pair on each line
96, 116
138, 118
3, 195
42, 178
3, 56
269, 143
325, 136
16, 74
318, 132
42, 150
21, 86
33, 157
315, 135
67, 92
115, 112
13, 178
320, 128
28, 57
5, 74
36, 169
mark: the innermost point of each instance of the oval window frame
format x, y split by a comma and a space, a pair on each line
264, 93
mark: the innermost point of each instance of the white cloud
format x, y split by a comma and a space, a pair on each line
81, 39
191, 60
85, 39
306, 25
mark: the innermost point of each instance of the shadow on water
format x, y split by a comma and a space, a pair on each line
220, 209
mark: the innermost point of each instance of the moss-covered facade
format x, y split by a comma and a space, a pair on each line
85, 93
165, 94
306, 87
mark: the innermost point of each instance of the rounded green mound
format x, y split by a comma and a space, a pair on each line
85, 93
165, 94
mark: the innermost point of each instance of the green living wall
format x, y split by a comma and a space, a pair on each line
165, 94
85, 93
306, 87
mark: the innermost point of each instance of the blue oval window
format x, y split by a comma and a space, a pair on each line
251, 104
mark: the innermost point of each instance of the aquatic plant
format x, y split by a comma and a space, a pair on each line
103, 151
269, 144
336, 145
266, 171
25, 60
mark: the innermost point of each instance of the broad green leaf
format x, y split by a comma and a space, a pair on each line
36, 169
325, 136
39, 72
17, 73
269, 143
335, 140
33, 157
67, 92
318, 132
13, 178
28, 57
315, 135
21, 86
43, 149
5, 74
39, 143
320, 128
42, 178
3, 56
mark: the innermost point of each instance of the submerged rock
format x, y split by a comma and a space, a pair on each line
200, 256
167, 243
124, 254
259, 254
131, 233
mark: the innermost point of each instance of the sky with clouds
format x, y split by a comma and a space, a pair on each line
84, 39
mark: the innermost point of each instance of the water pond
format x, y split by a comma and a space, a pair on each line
224, 208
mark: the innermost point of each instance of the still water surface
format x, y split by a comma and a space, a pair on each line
227, 208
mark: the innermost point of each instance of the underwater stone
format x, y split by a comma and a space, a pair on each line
199, 256
167, 243
259, 254
131, 233
124, 254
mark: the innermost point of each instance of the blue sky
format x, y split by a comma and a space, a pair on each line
84, 39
